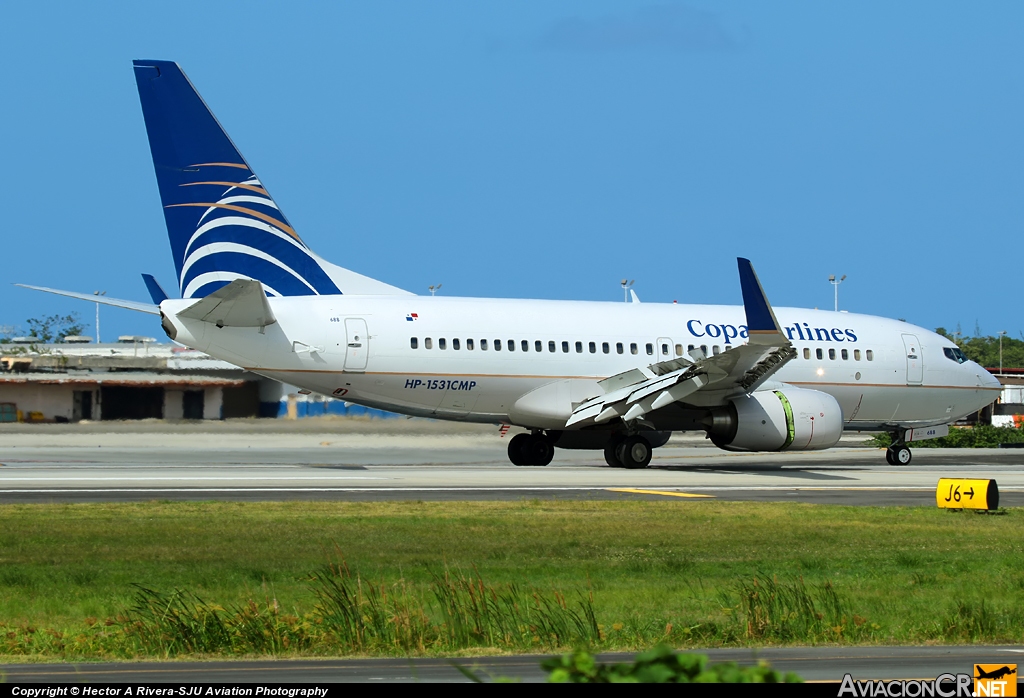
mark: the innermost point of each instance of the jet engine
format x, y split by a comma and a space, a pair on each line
787, 419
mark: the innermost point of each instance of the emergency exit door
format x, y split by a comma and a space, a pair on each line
357, 344
915, 363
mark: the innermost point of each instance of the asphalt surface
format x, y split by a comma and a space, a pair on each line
252, 466
811, 663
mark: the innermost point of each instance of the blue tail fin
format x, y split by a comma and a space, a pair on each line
222, 222
760, 316
156, 291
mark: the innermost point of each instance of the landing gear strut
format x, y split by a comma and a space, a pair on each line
633, 452
898, 453
530, 449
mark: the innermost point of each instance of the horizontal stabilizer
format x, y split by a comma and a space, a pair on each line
242, 303
103, 300
156, 292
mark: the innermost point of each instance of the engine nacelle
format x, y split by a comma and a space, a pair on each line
789, 419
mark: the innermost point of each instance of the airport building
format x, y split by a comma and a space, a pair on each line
138, 378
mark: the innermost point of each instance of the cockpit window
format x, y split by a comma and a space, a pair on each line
955, 354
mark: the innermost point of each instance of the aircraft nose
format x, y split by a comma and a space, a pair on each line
986, 379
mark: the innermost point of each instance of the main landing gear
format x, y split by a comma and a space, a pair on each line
633, 452
530, 449
898, 453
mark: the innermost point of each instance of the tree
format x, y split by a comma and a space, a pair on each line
53, 327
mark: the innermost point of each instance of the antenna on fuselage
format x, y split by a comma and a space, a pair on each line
434, 289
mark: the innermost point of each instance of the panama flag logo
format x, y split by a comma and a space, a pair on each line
411, 317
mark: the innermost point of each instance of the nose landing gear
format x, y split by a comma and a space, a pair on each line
898, 453
530, 449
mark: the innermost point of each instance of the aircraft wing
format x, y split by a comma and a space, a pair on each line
92, 298
637, 392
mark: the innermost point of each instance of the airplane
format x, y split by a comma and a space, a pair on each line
617, 377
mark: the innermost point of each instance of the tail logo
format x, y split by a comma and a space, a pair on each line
241, 233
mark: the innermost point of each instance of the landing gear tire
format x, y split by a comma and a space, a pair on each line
516, 449
538, 451
530, 449
611, 452
901, 455
898, 455
634, 453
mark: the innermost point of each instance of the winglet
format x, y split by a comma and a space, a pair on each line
155, 291
760, 317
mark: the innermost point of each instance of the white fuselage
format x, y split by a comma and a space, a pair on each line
361, 349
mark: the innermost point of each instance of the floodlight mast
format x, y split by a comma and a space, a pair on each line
98, 293
835, 285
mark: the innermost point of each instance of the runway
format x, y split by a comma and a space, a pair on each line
811, 663
107, 467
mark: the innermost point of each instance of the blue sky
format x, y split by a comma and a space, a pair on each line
543, 149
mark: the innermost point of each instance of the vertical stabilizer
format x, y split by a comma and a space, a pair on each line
222, 222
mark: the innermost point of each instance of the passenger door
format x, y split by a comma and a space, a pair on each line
357, 344
915, 362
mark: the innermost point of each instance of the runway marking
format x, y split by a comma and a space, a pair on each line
665, 493
165, 478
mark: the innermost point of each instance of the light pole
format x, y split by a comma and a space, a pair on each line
625, 289
434, 289
1001, 333
835, 284
98, 293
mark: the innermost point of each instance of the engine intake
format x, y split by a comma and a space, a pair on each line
790, 419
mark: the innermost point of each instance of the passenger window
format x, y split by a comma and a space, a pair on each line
664, 350
428, 343
818, 353
715, 350
846, 355
856, 354
511, 345
551, 347
441, 343
689, 348
679, 350
469, 345
526, 345
832, 354
455, 344
565, 347
593, 348
618, 347
414, 343
704, 349
537, 346
650, 349
483, 345
632, 348
497, 345
869, 355
579, 347
605, 348
807, 353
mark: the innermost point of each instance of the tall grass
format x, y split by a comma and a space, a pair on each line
353, 615
787, 611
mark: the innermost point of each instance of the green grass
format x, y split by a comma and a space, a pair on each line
690, 573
